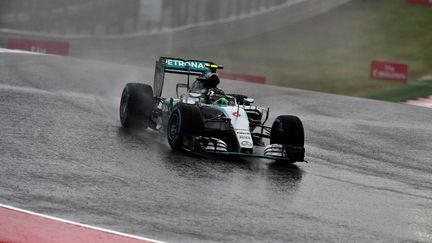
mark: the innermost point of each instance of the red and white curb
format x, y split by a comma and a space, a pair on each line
19, 226
424, 102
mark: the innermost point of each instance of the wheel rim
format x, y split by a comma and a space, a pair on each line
173, 127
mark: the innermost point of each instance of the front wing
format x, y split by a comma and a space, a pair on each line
296, 156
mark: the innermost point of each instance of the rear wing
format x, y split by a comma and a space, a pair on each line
179, 66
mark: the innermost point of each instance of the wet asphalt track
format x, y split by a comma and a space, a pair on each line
63, 153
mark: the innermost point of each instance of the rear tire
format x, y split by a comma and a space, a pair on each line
287, 130
136, 105
184, 120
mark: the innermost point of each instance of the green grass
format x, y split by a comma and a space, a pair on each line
412, 90
332, 52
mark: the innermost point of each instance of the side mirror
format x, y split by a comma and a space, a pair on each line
248, 101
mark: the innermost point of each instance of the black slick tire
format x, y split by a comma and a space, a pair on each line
287, 130
184, 120
136, 105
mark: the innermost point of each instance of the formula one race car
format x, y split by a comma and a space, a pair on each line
205, 119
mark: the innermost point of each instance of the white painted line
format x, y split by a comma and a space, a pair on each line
4, 50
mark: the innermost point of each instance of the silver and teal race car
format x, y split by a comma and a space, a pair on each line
205, 119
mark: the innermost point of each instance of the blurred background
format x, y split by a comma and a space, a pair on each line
321, 45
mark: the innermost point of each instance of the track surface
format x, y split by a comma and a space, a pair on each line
63, 153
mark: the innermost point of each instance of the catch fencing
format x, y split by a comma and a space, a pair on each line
114, 17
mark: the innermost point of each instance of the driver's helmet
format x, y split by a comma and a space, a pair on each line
209, 80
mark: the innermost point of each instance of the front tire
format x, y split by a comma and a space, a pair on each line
287, 130
136, 105
184, 120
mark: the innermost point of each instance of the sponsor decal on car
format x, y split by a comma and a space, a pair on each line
236, 114
244, 133
180, 64
246, 143
245, 139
